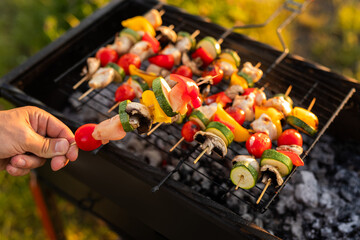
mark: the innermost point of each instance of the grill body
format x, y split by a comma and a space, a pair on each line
112, 183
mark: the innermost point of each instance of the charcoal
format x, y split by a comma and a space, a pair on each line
153, 157
325, 200
296, 227
306, 195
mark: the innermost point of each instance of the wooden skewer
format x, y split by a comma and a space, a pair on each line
86, 93
194, 34
176, 144
240, 180
154, 128
288, 91
113, 107
86, 77
200, 155
311, 104
264, 190
162, 12
258, 65
206, 79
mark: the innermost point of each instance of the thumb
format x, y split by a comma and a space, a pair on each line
48, 147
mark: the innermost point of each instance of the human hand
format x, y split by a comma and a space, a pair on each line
29, 136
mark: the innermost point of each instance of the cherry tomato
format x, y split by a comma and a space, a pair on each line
290, 137
106, 55
162, 60
84, 139
205, 56
257, 144
155, 45
214, 70
296, 160
237, 113
124, 92
127, 59
183, 71
189, 129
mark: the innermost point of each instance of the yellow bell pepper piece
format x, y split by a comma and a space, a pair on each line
241, 134
139, 23
238, 80
149, 100
308, 117
273, 113
148, 77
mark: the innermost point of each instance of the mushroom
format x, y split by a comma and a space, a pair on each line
211, 142
271, 172
167, 34
234, 91
193, 65
139, 117
153, 68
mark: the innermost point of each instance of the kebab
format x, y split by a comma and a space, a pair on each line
245, 171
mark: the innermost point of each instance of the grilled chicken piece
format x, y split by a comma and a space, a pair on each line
102, 78
153, 68
233, 91
143, 49
183, 44
246, 103
264, 124
153, 16
170, 49
280, 104
271, 172
93, 64
260, 97
252, 71
122, 44
291, 148
110, 129
211, 142
227, 68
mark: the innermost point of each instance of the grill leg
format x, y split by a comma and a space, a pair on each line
49, 214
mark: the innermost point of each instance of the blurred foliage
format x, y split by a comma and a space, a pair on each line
328, 32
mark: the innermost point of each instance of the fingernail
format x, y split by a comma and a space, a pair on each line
21, 163
61, 146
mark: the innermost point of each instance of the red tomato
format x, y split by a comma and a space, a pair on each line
216, 118
162, 60
106, 55
218, 98
214, 70
290, 137
189, 129
183, 92
127, 59
237, 113
205, 57
84, 139
296, 160
183, 71
155, 45
124, 92
257, 144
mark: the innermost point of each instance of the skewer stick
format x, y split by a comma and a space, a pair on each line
154, 128
264, 190
206, 79
176, 144
113, 107
194, 34
288, 91
86, 93
162, 12
86, 77
240, 180
311, 104
258, 65
201, 154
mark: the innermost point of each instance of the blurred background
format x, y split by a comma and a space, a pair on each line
328, 32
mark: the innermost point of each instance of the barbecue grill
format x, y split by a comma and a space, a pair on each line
142, 201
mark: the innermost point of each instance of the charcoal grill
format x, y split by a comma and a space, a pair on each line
113, 184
